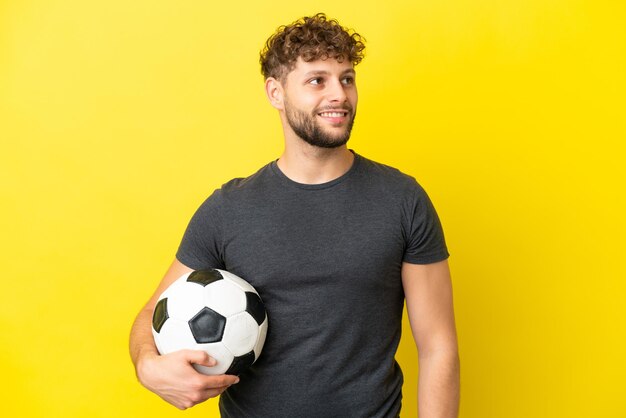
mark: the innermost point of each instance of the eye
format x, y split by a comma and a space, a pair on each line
316, 81
348, 80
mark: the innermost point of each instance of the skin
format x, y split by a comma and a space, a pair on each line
327, 125
428, 293
309, 87
302, 98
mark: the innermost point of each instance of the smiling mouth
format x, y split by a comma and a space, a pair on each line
334, 114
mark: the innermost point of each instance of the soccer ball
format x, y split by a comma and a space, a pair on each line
214, 311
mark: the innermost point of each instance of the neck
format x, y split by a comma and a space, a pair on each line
307, 164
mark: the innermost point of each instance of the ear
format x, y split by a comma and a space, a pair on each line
275, 93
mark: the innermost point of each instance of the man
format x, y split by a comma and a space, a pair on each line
334, 243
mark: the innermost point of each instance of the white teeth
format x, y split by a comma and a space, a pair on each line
332, 114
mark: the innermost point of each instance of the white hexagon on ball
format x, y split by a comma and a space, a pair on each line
240, 334
225, 298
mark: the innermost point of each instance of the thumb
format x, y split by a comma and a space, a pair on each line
200, 357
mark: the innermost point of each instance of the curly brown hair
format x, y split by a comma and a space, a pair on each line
311, 38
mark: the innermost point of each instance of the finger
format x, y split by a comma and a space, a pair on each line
224, 380
200, 357
213, 392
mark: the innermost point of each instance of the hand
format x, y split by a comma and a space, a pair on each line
173, 378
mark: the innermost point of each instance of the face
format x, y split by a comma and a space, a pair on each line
320, 99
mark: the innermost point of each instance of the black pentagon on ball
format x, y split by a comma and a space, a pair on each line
205, 277
207, 326
241, 363
160, 315
255, 307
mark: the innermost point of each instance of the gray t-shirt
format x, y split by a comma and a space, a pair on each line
326, 260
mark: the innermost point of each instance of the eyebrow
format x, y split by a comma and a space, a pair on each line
322, 72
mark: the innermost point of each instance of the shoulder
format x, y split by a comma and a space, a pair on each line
388, 178
243, 188
244, 183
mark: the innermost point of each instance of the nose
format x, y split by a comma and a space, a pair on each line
336, 92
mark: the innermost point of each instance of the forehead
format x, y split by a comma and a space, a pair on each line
330, 66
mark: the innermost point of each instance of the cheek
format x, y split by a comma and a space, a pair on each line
353, 97
309, 102
303, 102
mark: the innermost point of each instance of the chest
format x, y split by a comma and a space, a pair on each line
317, 242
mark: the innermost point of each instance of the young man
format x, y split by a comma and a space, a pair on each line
334, 243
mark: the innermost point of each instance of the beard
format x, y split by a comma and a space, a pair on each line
306, 127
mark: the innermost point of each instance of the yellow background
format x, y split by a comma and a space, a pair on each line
117, 118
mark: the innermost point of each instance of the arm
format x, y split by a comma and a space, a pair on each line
172, 376
428, 292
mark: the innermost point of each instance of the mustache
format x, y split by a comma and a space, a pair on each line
345, 107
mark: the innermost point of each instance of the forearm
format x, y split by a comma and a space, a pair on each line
141, 340
438, 385
171, 376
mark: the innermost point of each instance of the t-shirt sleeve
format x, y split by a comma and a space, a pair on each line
425, 241
201, 245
